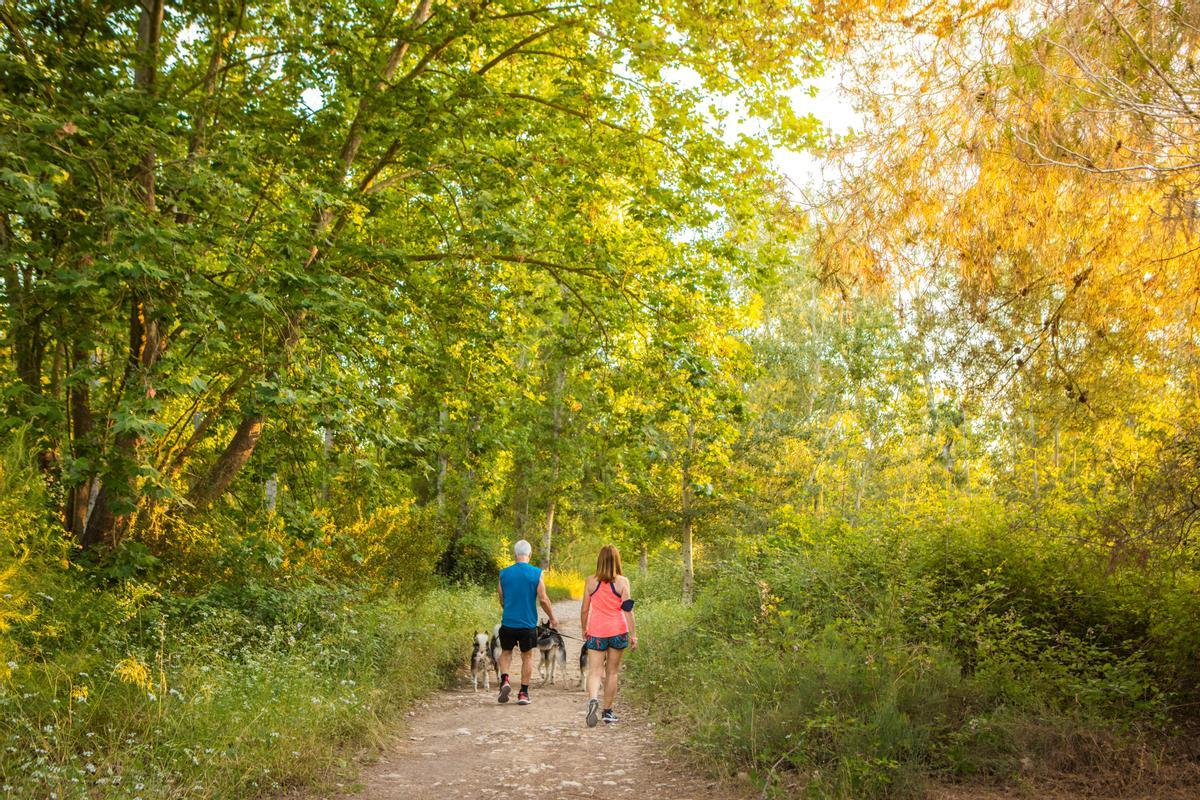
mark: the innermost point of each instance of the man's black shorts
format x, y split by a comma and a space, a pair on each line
511, 637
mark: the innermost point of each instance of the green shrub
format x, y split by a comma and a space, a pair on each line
234, 694
858, 662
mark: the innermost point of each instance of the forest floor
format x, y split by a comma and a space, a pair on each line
461, 743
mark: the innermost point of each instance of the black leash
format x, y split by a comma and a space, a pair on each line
566, 635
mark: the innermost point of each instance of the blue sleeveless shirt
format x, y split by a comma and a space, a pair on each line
520, 582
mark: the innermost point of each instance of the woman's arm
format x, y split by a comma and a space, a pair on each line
587, 604
626, 594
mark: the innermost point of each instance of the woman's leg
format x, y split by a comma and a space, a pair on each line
595, 673
612, 666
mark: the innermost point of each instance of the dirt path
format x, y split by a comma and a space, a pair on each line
462, 744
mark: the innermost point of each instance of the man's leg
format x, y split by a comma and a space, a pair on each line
527, 666
506, 646
528, 644
505, 660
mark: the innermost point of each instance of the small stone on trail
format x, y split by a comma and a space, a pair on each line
462, 732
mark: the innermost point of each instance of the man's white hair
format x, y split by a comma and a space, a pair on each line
522, 548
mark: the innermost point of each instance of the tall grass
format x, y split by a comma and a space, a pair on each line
227, 674
859, 663
212, 703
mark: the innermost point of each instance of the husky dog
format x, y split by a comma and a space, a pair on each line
583, 668
554, 652
494, 651
480, 656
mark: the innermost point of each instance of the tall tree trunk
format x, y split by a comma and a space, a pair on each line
1057, 450
466, 504
25, 332
26, 339
105, 523
1033, 454
271, 492
227, 465
547, 535
79, 436
443, 454
326, 451
643, 561
556, 429
245, 438
685, 503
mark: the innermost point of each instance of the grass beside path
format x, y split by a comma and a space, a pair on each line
223, 702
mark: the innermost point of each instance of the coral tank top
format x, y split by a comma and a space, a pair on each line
605, 617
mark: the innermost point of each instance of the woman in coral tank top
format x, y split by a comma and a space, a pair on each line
607, 622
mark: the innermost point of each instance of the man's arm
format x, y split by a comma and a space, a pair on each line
544, 599
500, 591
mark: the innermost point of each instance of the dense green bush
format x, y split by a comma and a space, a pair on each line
857, 662
221, 696
229, 664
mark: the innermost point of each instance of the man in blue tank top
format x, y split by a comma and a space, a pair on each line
521, 590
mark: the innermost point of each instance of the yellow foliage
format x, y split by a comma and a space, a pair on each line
381, 548
134, 671
563, 583
14, 608
132, 596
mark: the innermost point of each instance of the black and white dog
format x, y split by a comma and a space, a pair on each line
554, 652
494, 651
481, 661
583, 668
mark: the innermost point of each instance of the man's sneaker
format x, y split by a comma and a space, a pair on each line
609, 716
505, 690
523, 698
593, 713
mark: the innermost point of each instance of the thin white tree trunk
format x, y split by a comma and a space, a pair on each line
685, 503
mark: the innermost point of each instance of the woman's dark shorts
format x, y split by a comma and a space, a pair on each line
511, 637
618, 642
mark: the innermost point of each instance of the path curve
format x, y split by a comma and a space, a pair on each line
463, 744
